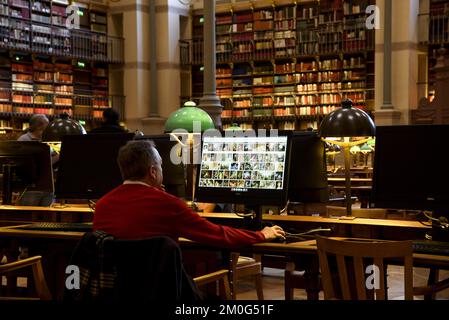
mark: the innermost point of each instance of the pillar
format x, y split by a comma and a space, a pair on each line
210, 102
396, 79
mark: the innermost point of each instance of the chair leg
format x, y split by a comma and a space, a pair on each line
433, 278
259, 286
234, 287
288, 288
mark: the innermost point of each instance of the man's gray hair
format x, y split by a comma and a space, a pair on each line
38, 121
135, 158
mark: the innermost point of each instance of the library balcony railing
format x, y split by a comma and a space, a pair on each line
80, 106
29, 36
433, 29
350, 38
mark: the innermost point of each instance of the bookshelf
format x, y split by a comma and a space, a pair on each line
285, 66
46, 67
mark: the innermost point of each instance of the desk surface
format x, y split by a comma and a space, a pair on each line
74, 208
313, 219
55, 208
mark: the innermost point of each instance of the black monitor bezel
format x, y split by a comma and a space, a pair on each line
252, 197
37, 151
383, 200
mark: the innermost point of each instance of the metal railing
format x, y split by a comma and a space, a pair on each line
346, 38
84, 106
433, 29
24, 35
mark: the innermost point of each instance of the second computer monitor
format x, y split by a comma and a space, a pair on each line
249, 170
88, 167
308, 173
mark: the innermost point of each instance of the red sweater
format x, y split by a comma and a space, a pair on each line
135, 211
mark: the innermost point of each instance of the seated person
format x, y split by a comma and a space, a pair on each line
140, 209
110, 123
37, 125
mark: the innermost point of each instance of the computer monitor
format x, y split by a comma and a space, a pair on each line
308, 175
25, 166
246, 170
88, 167
410, 168
174, 179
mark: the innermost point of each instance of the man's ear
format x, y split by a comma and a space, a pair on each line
152, 173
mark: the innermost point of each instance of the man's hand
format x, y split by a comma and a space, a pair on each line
272, 233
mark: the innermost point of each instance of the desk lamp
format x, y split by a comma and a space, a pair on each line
346, 124
60, 127
366, 149
189, 122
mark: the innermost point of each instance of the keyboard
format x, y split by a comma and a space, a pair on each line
58, 226
431, 247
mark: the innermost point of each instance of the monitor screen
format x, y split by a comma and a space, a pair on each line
88, 167
173, 173
25, 166
249, 170
308, 173
410, 167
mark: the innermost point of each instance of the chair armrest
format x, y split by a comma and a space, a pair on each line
210, 277
8, 267
39, 279
222, 277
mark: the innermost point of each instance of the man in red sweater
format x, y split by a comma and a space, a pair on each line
140, 208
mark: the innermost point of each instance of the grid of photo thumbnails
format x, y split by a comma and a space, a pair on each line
243, 163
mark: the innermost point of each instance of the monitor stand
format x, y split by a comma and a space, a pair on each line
252, 218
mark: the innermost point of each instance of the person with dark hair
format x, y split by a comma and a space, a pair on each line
140, 208
38, 123
110, 123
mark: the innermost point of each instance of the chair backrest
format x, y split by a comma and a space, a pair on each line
364, 276
152, 269
131, 270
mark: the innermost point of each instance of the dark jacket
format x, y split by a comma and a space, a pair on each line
109, 128
140, 270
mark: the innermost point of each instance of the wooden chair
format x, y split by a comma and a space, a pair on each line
359, 250
220, 276
39, 280
242, 266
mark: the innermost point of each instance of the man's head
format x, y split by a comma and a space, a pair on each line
111, 116
140, 161
38, 123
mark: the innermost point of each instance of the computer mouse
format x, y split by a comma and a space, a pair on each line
279, 240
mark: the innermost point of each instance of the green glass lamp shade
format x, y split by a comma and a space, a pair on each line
366, 148
347, 122
372, 142
60, 127
185, 117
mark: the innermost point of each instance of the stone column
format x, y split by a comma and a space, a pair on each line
396, 61
210, 102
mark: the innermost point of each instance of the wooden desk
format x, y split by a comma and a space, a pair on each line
56, 248
68, 213
358, 228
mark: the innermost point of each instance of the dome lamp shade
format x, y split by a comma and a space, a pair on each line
189, 118
347, 121
60, 127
